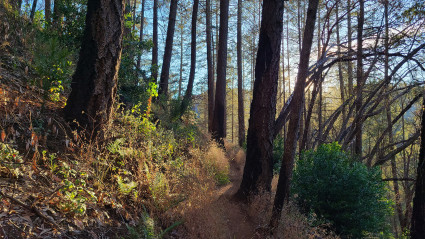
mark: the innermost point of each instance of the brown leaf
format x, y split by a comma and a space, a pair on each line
34, 139
3, 135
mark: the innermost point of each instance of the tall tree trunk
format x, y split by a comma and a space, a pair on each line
316, 89
232, 123
47, 11
188, 95
406, 186
283, 80
288, 66
165, 71
218, 126
359, 89
417, 230
340, 77
398, 206
154, 70
285, 175
181, 60
258, 171
210, 65
350, 38
241, 112
94, 83
33, 8
304, 140
142, 25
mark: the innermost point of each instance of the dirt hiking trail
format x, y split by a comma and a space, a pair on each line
224, 217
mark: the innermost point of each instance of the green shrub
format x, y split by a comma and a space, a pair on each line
52, 61
346, 193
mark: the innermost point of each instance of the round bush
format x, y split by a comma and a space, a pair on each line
341, 191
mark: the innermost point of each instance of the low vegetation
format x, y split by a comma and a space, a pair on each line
346, 194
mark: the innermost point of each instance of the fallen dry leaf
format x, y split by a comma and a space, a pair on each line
3, 135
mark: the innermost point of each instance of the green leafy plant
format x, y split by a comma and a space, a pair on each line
52, 61
159, 187
75, 193
125, 186
222, 177
328, 183
10, 159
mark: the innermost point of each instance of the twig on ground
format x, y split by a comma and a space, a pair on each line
32, 208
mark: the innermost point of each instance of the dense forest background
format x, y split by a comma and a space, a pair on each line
185, 119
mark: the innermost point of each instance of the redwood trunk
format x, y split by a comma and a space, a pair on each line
163, 82
241, 112
258, 171
188, 95
94, 83
210, 66
218, 126
154, 70
359, 88
142, 24
285, 175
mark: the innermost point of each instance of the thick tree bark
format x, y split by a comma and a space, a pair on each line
218, 126
47, 11
241, 112
165, 71
94, 83
360, 81
142, 25
210, 65
258, 171
188, 95
285, 175
154, 70
417, 230
33, 8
